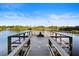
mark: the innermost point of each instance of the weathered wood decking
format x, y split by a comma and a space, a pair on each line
39, 46
31, 45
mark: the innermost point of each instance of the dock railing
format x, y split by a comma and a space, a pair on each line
22, 41
56, 49
21, 45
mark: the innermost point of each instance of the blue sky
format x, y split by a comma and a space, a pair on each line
35, 14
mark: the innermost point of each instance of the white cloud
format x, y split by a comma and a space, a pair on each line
67, 19
12, 14
11, 6
37, 12
54, 17
12, 18
64, 16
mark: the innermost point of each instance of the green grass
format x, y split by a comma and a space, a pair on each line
69, 29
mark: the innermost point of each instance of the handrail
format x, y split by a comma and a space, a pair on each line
20, 33
18, 49
21, 44
62, 34
52, 44
59, 48
59, 35
51, 51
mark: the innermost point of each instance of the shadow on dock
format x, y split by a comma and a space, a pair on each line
40, 35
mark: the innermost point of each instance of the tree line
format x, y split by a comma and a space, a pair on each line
71, 29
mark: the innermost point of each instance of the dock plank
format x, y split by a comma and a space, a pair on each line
39, 47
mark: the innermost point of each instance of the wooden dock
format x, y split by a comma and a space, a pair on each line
29, 44
39, 47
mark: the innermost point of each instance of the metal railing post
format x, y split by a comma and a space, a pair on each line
60, 38
19, 37
24, 36
70, 45
9, 44
55, 36
50, 43
28, 43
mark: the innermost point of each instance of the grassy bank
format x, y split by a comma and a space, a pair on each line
69, 29
2, 28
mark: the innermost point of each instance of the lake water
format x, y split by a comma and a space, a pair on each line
75, 43
3, 41
5, 34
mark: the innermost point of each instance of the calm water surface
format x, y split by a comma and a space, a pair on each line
75, 47
3, 41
